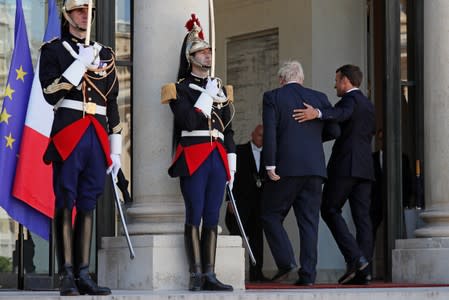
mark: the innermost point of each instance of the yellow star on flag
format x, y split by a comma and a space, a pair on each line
9, 140
9, 91
4, 116
21, 74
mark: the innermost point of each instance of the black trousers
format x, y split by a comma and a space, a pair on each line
337, 190
304, 195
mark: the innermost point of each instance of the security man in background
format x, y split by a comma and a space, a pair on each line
81, 83
205, 154
247, 190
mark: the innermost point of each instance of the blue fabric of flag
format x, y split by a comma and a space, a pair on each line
53, 29
12, 119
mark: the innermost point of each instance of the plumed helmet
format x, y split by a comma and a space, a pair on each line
193, 42
70, 5
195, 38
73, 4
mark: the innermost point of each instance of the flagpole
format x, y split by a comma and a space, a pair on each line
212, 35
20, 264
89, 22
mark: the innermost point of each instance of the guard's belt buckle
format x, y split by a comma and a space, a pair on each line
214, 133
90, 108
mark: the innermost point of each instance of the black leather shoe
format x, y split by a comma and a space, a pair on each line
195, 282
360, 279
67, 286
360, 264
257, 276
211, 283
86, 285
303, 282
282, 274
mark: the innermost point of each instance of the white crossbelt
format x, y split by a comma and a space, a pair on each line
212, 133
89, 107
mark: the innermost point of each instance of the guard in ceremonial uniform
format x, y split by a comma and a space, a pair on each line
80, 82
205, 155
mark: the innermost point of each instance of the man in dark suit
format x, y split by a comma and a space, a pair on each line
350, 171
295, 163
247, 189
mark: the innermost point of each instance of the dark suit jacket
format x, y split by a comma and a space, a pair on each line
245, 187
247, 195
351, 153
295, 148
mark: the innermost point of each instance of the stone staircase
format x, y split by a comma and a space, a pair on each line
365, 293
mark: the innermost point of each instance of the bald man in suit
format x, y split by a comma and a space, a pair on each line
247, 189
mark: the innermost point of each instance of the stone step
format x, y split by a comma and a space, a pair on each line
421, 293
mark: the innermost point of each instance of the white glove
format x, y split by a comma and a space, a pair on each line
205, 100
115, 141
220, 97
232, 163
89, 56
231, 181
115, 166
212, 87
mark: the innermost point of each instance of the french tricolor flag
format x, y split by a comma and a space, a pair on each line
33, 183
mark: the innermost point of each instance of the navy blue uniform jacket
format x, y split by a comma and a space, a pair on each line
54, 60
296, 149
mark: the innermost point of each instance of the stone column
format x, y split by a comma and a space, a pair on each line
156, 218
158, 34
424, 259
436, 124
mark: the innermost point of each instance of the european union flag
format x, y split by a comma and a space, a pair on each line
12, 119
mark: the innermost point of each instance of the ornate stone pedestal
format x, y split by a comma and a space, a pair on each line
161, 264
422, 260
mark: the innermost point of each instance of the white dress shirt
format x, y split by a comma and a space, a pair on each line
256, 155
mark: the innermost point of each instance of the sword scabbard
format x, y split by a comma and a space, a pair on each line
240, 225
122, 218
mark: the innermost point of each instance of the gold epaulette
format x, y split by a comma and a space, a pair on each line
168, 92
230, 92
48, 42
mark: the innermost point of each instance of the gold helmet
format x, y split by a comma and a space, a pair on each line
195, 38
70, 5
193, 42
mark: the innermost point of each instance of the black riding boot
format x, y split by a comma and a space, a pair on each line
208, 250
82, 241
192, 244
64, 249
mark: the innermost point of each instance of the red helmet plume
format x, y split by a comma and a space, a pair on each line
191, 22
